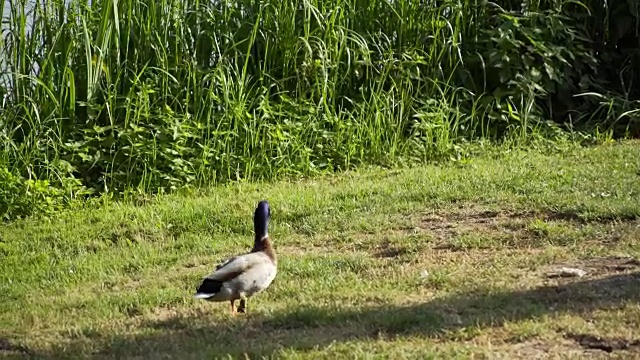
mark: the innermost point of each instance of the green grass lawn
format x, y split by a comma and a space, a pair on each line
433, 261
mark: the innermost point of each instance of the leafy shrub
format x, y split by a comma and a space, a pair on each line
22, 197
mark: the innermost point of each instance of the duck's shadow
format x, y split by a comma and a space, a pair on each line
306, 328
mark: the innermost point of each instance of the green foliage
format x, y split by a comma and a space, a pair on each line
159, 95
22, 197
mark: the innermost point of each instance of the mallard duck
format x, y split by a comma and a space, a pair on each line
243, 276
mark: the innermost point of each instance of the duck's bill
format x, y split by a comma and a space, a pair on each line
203, 296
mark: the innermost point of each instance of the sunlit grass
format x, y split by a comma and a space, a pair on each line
419, 262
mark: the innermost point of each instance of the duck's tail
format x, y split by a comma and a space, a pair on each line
208, 288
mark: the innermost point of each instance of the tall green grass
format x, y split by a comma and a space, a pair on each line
156, 95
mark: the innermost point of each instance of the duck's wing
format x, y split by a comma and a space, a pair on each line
219, 266
236, 266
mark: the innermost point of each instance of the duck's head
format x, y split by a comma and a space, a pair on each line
261, 220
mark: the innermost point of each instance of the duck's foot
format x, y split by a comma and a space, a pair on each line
242, 308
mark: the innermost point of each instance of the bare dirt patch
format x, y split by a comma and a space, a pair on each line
302, 250
162, 314
463, 229
605, 344
388, 250
473, 226
538, 349
600, 266
444, 225
506, 227
473, 219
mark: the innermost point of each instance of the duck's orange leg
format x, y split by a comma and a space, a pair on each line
233, 307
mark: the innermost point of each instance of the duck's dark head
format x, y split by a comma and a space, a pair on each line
261, 220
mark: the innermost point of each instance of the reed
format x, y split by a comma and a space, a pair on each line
156, 95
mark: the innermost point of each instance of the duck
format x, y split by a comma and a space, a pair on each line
243, 276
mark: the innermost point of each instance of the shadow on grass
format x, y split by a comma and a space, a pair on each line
305, 328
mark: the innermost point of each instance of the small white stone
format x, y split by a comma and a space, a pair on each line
424, 274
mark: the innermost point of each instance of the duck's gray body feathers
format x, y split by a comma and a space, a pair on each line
239, 277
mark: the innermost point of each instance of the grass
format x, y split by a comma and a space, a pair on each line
431, 261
